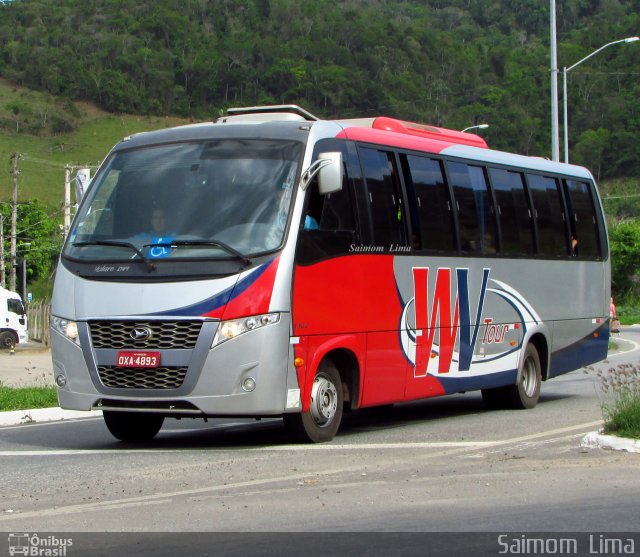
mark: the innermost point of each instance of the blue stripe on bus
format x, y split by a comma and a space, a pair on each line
588, 350
472, 383
220, 299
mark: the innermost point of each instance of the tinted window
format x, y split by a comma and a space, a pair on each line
475, 208
430, 204
582, 219
547, 204
385, 201
328, 228
514, 215
189, 194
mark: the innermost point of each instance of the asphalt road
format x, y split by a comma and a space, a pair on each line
444, 465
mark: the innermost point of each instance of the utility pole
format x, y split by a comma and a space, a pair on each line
67, 200
555, 133
14, 218
2, 272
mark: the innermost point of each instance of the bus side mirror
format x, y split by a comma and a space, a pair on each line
330, 174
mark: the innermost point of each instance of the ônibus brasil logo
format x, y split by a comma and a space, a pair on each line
448, 313
38, 545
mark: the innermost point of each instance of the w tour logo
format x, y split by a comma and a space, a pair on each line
450, 314
450, 322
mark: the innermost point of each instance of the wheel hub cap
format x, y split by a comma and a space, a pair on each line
324, 400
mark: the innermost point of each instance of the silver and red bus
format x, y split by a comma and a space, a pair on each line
273, 264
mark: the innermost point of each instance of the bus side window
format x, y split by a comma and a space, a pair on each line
430, 204
514, 213
476, 216
549, 215
582, 218
328, 227
385, 197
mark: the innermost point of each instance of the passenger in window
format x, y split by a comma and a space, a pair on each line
574, 245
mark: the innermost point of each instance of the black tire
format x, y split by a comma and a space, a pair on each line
495, 399
321, 422
7, 340
525, 393
132, 426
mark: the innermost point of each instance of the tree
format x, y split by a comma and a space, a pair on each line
591, 148
625, 258
38, 238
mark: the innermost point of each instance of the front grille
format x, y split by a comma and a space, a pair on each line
164, 334
136, 378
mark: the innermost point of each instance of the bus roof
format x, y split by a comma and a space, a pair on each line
293, 122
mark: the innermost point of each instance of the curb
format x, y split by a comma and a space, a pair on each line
19, 417
597, 440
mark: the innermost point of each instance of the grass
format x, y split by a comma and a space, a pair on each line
628, 314
621, 405
46, 153
26, 398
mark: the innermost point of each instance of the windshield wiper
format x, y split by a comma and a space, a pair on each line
212, 243
117, 243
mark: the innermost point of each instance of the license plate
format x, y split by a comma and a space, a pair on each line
138, 359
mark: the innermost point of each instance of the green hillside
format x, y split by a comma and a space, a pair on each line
149, 64
94, 131
453, 63
45, 151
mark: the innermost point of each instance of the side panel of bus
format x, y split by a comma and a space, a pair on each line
435, 274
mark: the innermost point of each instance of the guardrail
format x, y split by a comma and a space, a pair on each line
39, 316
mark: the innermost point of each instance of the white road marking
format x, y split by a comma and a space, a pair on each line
433, 444
25, 425
164, 498
320, 447
634, 346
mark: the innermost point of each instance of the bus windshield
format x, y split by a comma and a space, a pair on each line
215, 199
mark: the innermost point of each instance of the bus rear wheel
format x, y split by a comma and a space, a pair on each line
526, 391
132, 426
321, 422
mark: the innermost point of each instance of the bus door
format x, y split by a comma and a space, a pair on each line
386, 364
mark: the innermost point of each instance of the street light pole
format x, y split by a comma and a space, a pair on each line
477, 127
565, 71
555, 135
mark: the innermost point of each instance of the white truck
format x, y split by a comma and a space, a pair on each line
13, 319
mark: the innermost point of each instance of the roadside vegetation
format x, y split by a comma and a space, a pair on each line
620, 388
24, 398
622, 208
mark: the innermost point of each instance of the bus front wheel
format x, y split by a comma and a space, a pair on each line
132, 426
322, 421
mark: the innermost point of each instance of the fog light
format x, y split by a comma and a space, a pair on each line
61, 381
249, 384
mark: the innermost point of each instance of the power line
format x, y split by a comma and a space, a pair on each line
621, 196
35, 160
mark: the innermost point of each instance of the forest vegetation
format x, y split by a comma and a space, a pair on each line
453, 63
77, 75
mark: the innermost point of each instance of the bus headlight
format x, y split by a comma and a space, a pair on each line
236, 327
67, 328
